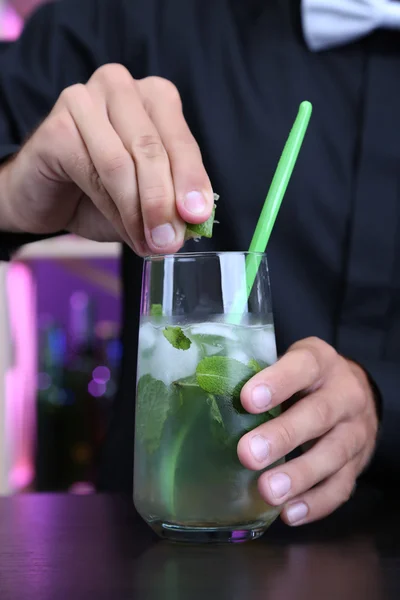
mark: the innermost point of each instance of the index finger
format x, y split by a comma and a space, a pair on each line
193, 191
303, 367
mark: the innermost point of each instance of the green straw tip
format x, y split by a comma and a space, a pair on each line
306, 107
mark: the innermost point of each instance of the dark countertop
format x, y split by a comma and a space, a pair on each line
56, 547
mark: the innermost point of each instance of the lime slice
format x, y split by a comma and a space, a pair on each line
195, 232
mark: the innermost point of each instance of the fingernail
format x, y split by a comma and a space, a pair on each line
280, 484
296, 512
259, 448
163, 235
195, 203
261, 396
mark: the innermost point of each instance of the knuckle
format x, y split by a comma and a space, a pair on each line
324, 413
344, 452
358, 440
58, 126
318, 350
309, 359
346, 490
73, 94
164, 88
186, 142
345, 447
114, 165
96, 184
185, 149
286, 436
78, 162
155, 199
357, 393
149, 146
313, 340
319, 344
324, 349
366, 437
113, 73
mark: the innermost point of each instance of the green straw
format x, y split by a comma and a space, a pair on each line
272, 205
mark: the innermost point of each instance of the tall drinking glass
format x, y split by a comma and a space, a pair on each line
198, 345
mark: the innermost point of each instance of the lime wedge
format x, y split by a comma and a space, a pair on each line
195, 232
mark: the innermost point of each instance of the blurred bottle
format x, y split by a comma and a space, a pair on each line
105, 376
52, 398
81, 411
78, 377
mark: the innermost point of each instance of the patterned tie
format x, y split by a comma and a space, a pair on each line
329, 23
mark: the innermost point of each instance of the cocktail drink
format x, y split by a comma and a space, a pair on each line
195, 355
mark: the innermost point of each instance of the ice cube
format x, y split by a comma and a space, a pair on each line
147, 337
169, 364
240, 356
211, 350
217, 329
143, 367
263, 346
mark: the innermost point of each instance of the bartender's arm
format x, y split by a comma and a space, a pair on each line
115, 160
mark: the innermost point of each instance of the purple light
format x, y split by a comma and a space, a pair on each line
79, 300
101, 375
44, 381
10, 24
82, 488
21, 377
21, 476
96, 389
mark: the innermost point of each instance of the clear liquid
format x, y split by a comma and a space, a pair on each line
190, 474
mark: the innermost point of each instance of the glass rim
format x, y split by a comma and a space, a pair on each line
204, 254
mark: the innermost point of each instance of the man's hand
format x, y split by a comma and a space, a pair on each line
336, 411
114, 161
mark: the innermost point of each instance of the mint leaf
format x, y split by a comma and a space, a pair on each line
209, 339
214, 410
211, 344
156, 310
219, 429
189, 390
154, 402
177, 338
222, 376
187, 382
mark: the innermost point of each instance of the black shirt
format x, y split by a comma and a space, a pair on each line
242, 68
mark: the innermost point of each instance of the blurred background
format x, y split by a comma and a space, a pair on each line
12, 16
59, 351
